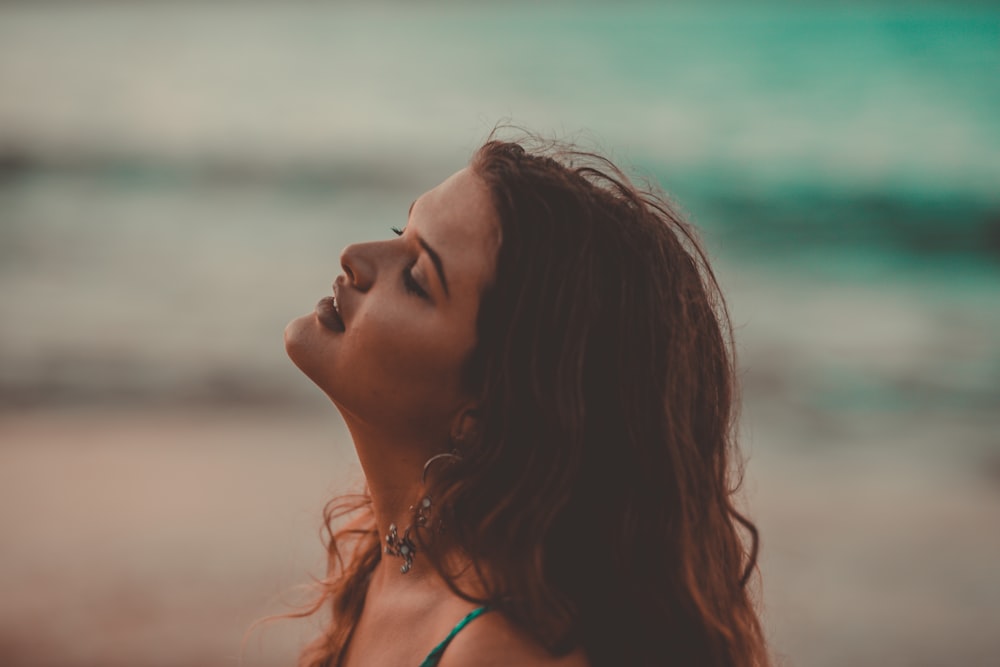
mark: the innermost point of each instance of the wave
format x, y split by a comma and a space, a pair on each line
786, 220
788, 216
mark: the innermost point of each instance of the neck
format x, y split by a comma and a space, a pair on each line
393, 467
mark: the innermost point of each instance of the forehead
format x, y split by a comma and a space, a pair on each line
458, 220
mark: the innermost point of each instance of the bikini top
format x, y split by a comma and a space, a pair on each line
434, 656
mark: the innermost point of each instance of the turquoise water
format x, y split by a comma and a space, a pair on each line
178, 179
853, 123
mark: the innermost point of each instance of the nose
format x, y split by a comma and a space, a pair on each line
358, 266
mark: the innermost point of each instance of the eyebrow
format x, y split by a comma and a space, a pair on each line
435, 258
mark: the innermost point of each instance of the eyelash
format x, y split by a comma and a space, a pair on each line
409, 282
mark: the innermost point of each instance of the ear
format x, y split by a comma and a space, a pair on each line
465, 427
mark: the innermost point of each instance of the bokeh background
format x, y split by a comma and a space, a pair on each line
176, 183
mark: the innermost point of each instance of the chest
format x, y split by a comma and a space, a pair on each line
400, 637
385, 644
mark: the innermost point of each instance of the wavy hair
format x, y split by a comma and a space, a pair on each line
596, 502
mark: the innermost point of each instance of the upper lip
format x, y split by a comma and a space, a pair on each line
337, 303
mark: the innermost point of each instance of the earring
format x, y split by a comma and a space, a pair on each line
404, 547
453, 454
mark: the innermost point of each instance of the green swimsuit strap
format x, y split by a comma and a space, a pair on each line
434, 656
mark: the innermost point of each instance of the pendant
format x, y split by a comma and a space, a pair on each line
404, 546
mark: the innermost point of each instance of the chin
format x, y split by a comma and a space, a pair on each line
308, 345
300, 337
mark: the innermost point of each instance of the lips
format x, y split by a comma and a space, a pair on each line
329, 315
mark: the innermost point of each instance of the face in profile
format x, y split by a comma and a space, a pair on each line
389, 345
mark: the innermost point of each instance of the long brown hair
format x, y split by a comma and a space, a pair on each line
596, 501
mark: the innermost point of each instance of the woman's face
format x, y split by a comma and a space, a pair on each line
389, 347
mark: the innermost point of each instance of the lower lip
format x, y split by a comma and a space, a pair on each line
327, 315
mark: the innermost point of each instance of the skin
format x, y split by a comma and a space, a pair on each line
394, 373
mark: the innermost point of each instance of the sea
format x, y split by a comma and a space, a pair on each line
177, 179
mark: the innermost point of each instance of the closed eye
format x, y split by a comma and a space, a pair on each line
411, 285
409, 282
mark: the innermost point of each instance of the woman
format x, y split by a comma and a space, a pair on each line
536, 373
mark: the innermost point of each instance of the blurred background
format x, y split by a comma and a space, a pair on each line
177, 181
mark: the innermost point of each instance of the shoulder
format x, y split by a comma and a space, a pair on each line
493, 641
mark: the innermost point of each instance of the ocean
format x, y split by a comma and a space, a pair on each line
176, 180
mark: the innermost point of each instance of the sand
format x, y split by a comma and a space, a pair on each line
156, 537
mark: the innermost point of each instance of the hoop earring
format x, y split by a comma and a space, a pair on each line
453, 454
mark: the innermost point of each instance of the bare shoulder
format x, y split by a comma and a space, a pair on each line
493, 641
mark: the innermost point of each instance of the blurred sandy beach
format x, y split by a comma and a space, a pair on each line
149, 538
157, 538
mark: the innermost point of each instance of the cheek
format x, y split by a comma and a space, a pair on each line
410, 356
401, 367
